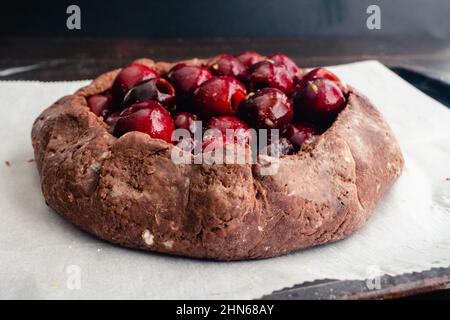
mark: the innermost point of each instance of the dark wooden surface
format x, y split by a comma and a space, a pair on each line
75, 59
70, 59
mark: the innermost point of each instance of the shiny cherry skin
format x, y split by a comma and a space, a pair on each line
227, 65
219, 96
268, 108
100, 104
240, 134
187, 78
321, 73
297, 133
187, 120
111, 121
269, 74
157, 89
318, 101
127, 78
216, 142
285, 61
249, 58
146, 116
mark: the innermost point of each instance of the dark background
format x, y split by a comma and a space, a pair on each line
226, 18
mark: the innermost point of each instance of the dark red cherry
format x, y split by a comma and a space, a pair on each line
219, 96
318, 101
269, 74
111, 121
237, 128
268, 108
187, 120
212, 143
100, 104
187, 78
178, 66
249, 58
227, 65
146, 116
157, 89
297, 133
285, 61
321, 73
127, 78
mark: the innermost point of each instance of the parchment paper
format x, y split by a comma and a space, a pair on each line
43, 256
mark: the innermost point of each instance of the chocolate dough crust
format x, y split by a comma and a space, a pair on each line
128, 191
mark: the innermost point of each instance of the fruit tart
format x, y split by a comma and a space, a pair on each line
229, 158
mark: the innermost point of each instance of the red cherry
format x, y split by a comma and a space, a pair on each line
100, 104
146, 116
157, 89
268, 74
249, 58
178, 66
216, 142
127, 78
186, 120
297, 133
319, 100
187, 78
219, 96
227, 65
240, 130
268, 108
285, 61
321, 73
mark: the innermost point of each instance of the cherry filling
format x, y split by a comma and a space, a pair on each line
249, 58
268, 108
157, 89
227, 65
269, 74
146, 116
127, 78
219, 96
275, 96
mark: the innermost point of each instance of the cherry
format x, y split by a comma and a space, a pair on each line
213, 143
297, 133
127, 78
240, 134
319, 100
268, 108
227, 65
219, 96
285, 61
249, 58
100, 104
111, 121
178, 66
268, 74
146, 116
157, 89
186, 120
321, 73
187, 78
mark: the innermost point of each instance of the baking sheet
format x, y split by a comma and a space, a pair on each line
43, 256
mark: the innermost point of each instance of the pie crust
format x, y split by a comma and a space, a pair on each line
128, 191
